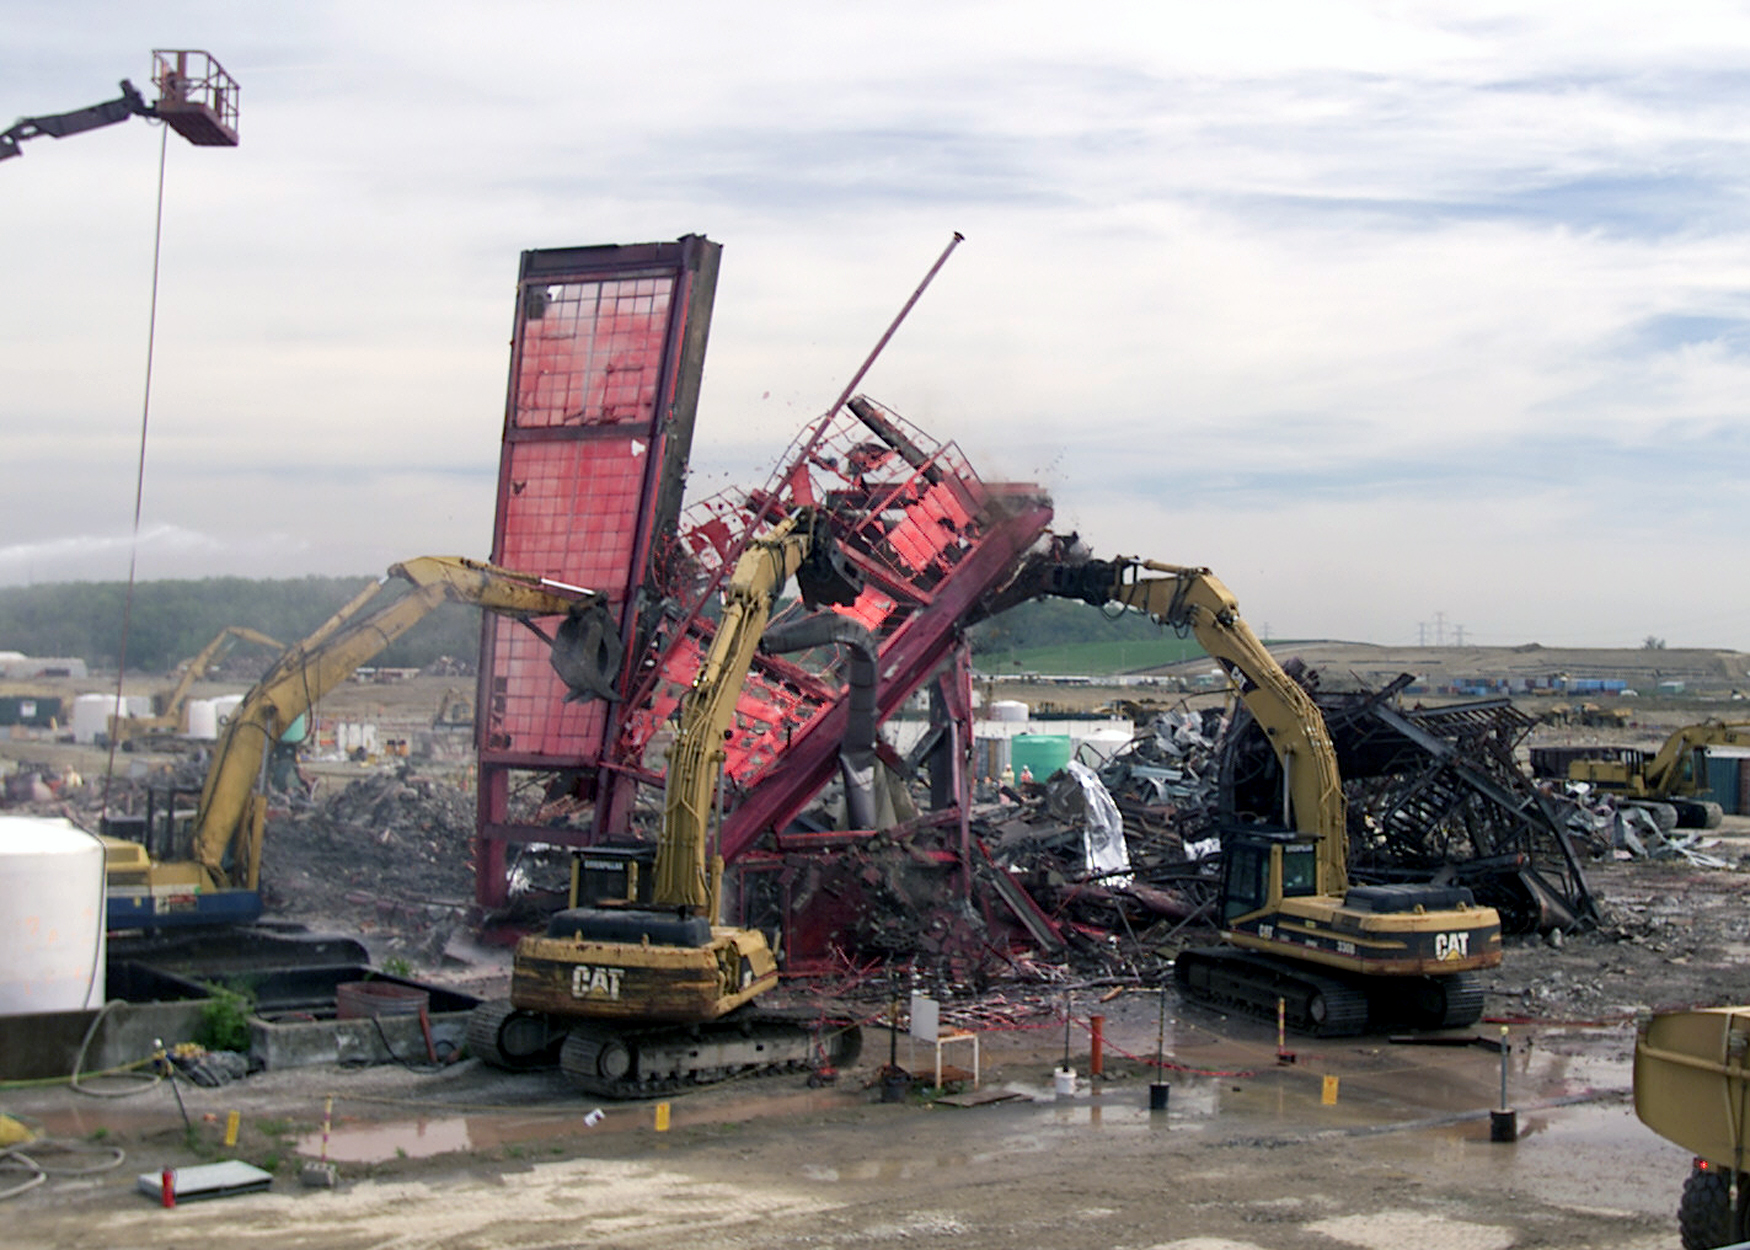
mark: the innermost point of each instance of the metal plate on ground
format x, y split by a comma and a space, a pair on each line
980, 1097
209, 1180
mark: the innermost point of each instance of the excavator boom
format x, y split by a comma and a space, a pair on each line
1194, 599
634, 1001
227, 835
1666, 774
168, 714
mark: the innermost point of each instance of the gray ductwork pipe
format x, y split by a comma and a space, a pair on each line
857, 750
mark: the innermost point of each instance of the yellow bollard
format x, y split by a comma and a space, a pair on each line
231, 1122
1329, 1096
662, 1117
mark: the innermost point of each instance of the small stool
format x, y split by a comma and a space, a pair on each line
926, 1026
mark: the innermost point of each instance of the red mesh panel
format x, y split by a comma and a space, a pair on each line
573, 510
594, 356
526, 714
907, 520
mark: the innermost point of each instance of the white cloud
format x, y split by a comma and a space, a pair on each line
1389, 308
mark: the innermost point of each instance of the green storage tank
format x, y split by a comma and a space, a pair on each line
1044, 754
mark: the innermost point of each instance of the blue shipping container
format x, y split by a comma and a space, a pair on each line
1723, 774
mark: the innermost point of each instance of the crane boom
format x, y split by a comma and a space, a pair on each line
130, 103
196, 98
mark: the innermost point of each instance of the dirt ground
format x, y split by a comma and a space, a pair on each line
1248, 1154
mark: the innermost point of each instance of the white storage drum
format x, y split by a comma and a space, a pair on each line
203, 720
51, 916
91, 713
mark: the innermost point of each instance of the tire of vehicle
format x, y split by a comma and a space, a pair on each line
1704, 1212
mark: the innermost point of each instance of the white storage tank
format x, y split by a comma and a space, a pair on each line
1101, 745
353, 736
203, 720
91, 713
224, 707
1009, 710
51, 916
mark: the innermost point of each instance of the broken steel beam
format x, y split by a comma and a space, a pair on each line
1433, 793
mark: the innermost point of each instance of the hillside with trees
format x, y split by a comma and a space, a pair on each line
172, 620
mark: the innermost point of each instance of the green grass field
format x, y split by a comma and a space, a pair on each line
1092, 659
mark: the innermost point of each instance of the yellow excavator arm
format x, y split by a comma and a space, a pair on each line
168, 716
228, 824
197, 667
1300, 943
1195, 599
686, 878
1665, 773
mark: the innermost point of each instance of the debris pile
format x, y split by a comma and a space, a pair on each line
1613, 827
399, 837
1433, 794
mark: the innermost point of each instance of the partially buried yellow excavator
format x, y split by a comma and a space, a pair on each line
635, 1001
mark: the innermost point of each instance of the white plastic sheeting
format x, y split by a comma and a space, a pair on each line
1103, 849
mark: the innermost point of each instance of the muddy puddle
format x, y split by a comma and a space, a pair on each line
1233, 1089
352, 1140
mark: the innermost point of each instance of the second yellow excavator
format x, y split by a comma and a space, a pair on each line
1338, 958
211, 875
169, 708
641, 1000
1671, 783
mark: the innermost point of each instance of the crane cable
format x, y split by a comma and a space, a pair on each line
140, 472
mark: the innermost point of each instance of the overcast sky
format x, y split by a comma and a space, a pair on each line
1403, 317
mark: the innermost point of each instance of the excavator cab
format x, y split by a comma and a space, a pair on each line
1261, 867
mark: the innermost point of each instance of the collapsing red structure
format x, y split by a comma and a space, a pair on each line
606, 359
606, 354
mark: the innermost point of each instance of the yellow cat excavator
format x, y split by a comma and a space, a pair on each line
1674, 777
1341, 959
640, 1000
169, 712
211, 875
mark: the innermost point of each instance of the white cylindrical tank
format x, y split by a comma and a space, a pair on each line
51, 916
91, 713
224, 706
1101, 744
203, 719
1009, 710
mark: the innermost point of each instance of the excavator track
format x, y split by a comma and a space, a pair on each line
507, 1037
1460, 1001
1234, 980
648, 1062
1321, 1005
